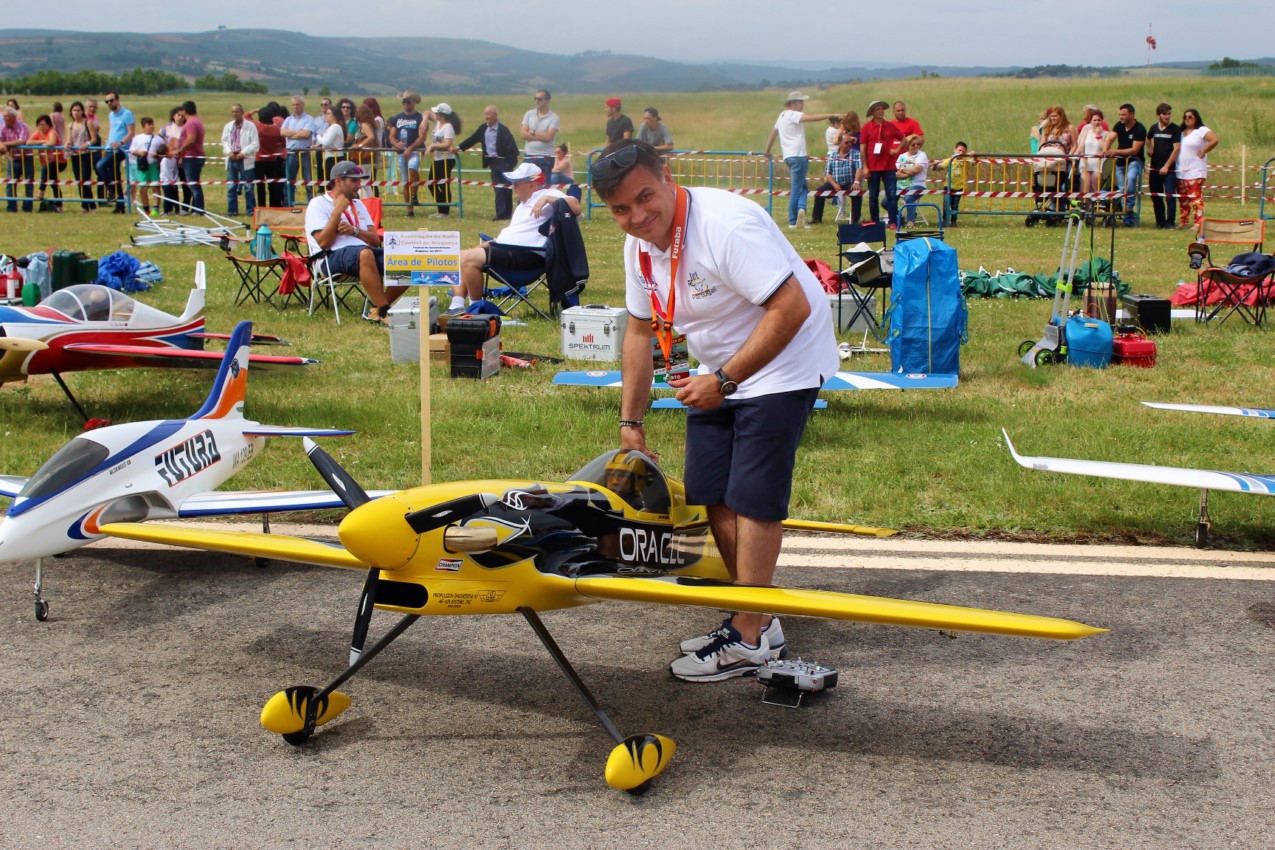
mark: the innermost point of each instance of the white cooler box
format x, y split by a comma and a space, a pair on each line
848, 306
405, 331
593, 332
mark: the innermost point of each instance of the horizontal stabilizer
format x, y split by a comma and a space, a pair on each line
1254, 412
667, 403
256, 339
839, 528
185, 358
1200, 479
286, 431
839, 382
279, 547
671, 590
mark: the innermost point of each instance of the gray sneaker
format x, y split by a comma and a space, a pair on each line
728, 657
774, 634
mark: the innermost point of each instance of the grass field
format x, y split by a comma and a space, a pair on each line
929, 462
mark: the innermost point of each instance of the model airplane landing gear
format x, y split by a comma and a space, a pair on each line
637, 759
41, 604
1203, 524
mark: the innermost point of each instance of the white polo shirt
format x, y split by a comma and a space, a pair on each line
319, 210
734, 259
792, 133
524, 228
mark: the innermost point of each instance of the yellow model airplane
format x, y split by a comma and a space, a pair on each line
618, 530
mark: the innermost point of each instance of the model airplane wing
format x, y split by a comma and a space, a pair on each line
233, 502
672, 590
11, 485
1200, 479
1254, 412
183, 357
838, 382
280, 547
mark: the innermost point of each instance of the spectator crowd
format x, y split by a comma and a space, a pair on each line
276, 155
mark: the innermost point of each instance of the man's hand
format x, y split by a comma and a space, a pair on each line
698, 391
632, 438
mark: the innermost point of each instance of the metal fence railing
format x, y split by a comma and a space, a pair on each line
741, 172
1267, 191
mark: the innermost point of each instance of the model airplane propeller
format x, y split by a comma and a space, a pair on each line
1202, 479
619, 529
90, 326
149, 470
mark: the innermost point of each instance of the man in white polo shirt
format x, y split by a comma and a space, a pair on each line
792, 143
520, 245
338, 223
758, 322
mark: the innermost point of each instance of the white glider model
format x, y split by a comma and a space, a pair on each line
1203, 480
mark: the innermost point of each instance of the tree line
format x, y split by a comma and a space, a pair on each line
139, 81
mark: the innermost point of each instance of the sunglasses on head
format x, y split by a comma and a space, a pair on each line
614, 163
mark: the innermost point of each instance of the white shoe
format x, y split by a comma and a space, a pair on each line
801, 220
774, 634
728, 657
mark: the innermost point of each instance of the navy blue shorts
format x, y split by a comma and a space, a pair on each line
742, 453
346, 260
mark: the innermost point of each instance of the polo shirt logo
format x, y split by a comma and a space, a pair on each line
699, 287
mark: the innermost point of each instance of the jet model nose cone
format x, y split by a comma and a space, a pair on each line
377, 533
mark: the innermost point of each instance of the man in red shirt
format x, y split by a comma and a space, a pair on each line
907, 126
879, 144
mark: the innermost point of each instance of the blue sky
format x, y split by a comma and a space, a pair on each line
950, 32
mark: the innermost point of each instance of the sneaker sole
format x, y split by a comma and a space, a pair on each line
736, 672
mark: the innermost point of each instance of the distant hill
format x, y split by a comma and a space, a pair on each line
289, 61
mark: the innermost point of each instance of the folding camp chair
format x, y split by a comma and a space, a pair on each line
1221, 292
921, 228
512, 287
255, 274
335, 289
868, 277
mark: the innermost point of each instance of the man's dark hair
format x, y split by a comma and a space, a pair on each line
1129, 106
606, 174
962, 145
111, 94
545, 92
189, 108
1163, 108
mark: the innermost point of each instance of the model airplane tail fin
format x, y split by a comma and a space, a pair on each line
195, 302
231, 384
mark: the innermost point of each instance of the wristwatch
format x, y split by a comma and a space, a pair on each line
725, 385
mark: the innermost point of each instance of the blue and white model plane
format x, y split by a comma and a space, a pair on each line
149, 470
1202, 479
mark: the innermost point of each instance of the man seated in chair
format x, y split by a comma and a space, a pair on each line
338, 223
520, 245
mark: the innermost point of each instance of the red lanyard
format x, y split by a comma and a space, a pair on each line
349, 214
662, 320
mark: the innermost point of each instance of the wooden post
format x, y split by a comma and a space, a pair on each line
424, 328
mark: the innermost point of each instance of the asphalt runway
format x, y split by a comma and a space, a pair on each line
130, 717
